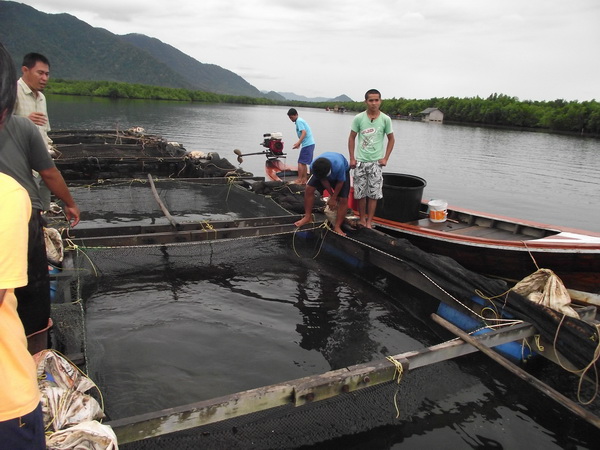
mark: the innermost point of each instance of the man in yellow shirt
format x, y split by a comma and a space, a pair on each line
21, 420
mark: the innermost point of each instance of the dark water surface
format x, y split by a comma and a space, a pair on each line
171, 326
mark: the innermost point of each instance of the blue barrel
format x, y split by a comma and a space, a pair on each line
402, 196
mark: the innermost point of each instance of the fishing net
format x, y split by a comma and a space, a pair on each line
111, 154
134, 201
332, 423
577, 339
101, 273
219, 269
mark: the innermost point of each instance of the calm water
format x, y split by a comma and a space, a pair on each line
185, 324
537, 176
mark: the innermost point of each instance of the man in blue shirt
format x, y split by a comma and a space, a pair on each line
330, 172
306, 143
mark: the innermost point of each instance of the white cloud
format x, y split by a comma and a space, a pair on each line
531, 49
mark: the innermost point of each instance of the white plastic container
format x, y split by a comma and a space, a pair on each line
438, 210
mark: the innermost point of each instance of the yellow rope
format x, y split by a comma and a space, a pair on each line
398, 373
323, 225
582, 372
525, 343
73, 246
230, 182
531, 255
538, 343
479, 293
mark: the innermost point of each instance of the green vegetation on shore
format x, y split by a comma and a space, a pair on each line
560, 116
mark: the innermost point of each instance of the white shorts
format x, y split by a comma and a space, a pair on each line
368, 180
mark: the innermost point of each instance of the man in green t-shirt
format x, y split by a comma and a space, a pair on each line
371, 127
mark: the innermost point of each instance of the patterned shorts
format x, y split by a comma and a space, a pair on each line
368, 180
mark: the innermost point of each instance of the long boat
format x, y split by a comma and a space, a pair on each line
505, 247
490, 244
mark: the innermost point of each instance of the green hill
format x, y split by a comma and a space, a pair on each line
204, 77
78, 51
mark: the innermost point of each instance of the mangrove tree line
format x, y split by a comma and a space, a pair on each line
498, 110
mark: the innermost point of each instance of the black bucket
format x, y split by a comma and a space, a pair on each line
402, 195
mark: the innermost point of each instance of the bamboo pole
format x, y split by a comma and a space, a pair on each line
543, 387
164, 209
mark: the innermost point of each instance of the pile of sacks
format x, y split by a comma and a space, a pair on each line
71, 417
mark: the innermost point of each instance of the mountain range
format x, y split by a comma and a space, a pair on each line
78, 51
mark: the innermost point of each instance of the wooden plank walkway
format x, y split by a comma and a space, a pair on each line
300, 391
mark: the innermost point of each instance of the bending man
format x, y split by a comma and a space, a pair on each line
329, 172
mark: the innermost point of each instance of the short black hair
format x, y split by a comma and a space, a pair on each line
372, 91
31, 59
8, 82
292, 112
321, 168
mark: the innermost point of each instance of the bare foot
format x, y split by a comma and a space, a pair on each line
302, 221
369, 225
339, 231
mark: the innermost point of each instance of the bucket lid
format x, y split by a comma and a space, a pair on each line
438, 202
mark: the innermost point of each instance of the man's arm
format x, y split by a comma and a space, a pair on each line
388, 150
56, 183
300, 139
351, 147
38, 118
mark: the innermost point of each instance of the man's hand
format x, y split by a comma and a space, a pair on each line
72, 213
38, 118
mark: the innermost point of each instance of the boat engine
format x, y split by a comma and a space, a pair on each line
273, 143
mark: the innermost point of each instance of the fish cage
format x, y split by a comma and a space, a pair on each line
109, 154
236, 330
263, 342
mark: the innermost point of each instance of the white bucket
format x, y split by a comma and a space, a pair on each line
438, 210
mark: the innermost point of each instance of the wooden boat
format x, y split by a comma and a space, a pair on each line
505, 247
490, 244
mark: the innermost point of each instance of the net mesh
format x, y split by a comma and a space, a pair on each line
322, 423
327, 423
93, 268
130, 202
111, 154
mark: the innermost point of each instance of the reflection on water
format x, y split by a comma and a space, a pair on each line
192, 323
175, 335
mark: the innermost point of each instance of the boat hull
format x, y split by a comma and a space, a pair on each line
506, 247
278, 170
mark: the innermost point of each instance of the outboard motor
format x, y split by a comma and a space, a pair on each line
274, 144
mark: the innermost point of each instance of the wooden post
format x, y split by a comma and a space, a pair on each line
164, 209
550, 392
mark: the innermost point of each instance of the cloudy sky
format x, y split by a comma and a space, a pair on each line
530, 49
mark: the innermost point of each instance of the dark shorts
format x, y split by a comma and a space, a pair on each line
316, 183
26, 432
34, 299
306, 154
